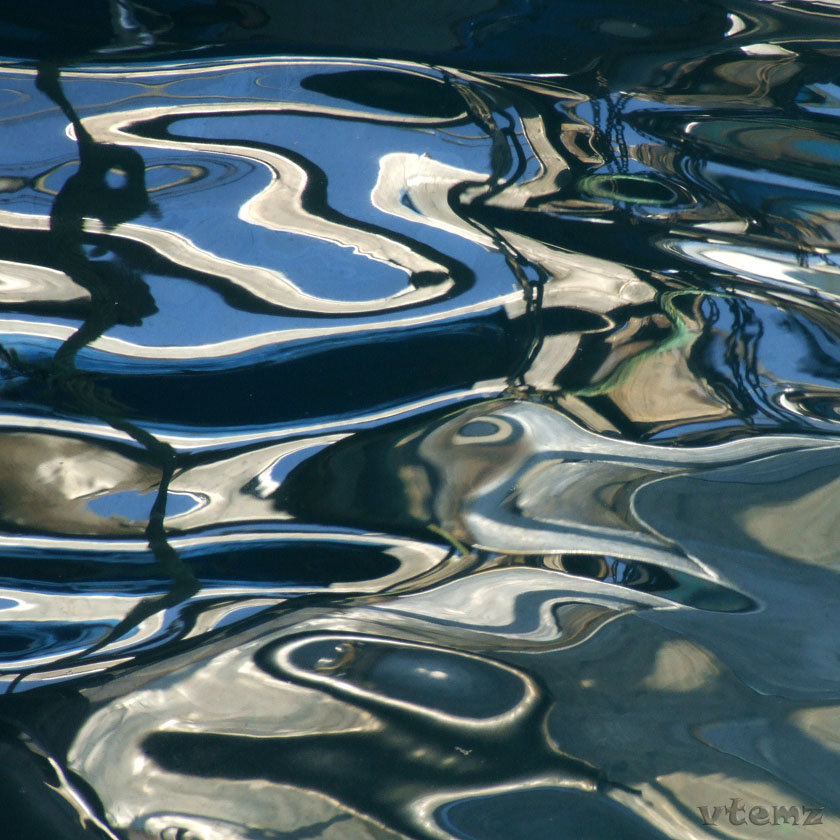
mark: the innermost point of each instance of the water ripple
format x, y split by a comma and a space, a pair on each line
430, 433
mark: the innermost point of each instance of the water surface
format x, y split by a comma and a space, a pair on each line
426, 429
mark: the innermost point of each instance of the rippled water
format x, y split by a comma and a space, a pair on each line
420, 427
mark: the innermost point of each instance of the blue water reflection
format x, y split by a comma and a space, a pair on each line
426, 429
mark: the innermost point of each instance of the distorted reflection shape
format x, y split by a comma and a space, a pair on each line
459, 689
23, 282
417, 188
528, 480
767, 267
282, 205
443, 452
347, 713
518, 478
238, 580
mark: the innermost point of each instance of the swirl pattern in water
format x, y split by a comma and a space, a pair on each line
439, 440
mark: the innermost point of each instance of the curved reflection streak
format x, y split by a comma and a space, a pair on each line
164, 79
225, 439
815, 402
412, 558
417, 188
342, 655
268, 285
235, 346
542, 484
25, 283
59, 633
531, 609
393, 697
579, 801
278, 206
78, 621
547, 620
512, 609
764, 266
